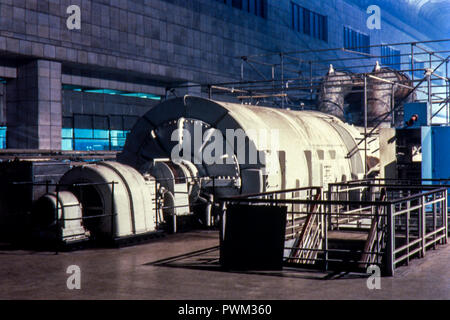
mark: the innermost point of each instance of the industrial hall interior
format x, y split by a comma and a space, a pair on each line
224, 149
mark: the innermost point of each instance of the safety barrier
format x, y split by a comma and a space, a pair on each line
391, 224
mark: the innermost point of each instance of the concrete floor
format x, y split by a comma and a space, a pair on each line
149, 271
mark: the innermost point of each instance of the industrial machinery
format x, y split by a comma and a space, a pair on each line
416, 151
342, 94
334, 88
67, 225
253, 149
101, 201
387, 88
185, 153
293, 148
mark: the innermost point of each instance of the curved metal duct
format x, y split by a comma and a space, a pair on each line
382, 96
309, 149
333, 89
49, 227
121, 209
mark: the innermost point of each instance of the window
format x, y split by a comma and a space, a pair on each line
309, 22
356, 41
2, 137
113, 92
256, 7
390, 57
95, 132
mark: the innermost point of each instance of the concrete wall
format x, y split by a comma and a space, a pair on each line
169, 40
103, 104
33, 106
146, 45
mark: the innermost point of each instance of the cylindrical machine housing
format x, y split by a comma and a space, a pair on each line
294, 148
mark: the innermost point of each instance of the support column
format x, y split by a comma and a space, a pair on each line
34, 108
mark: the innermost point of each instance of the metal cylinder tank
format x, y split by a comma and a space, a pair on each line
333, 89
382, 95
294, 148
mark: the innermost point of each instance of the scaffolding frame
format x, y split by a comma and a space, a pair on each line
292, 80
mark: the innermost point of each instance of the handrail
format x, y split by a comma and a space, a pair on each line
421, 208
310, 237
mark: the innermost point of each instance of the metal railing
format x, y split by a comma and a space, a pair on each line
418, 222
391, 182
379, 217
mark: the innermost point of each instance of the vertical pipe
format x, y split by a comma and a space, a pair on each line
408, 215
325, 236
390, 263
156, 204
365, 126
377, 228
393, 106
222, 230
430, 86
112, 210
422, 218
434, 219
329, 195
58, 222
447, 95
174, 223
445, 216
412, 63
242, 69
430, 97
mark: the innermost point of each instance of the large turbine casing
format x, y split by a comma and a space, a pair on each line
301, 148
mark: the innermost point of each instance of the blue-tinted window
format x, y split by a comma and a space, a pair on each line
97, 132
101, 134
83, 133
390, 57
356, 41
118, 139
91, 144
2, 137
309, 22
67, 139
113, 92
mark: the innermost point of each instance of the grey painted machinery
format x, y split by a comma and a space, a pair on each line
103, 200
293, 148
186, 152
